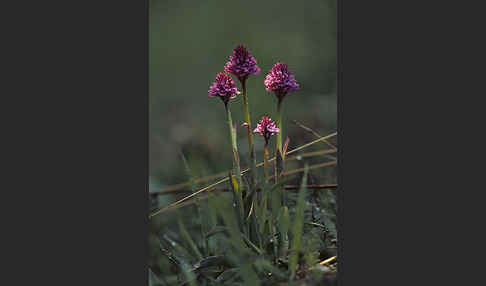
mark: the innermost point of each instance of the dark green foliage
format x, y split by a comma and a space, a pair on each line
247, 236
291, 242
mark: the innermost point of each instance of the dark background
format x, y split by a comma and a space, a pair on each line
189, 43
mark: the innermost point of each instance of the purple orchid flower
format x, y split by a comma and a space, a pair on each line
266, 127
224, 88
280, 80
241, 64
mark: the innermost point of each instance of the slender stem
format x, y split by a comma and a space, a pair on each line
247, 115
278, 149
237, 171
278, 152
265, 162
249, 134
279, 125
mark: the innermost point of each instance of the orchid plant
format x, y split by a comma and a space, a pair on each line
280, 81
257, 223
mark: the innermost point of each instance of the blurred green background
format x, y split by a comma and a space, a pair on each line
189, 43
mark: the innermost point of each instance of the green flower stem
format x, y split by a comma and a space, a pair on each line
250, 135
237, 172
278, 152
265, 162
278, 149
279, 125
234, 149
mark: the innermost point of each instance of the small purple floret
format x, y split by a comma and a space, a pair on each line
223, 87
241, 64
266, 127
280, 80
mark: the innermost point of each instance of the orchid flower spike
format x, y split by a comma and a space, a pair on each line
242, 64
280, 80
224, 88
266, 127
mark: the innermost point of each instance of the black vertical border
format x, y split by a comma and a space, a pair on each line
399, 96
81, 215
340, 108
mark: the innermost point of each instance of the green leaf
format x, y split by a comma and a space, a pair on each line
228, 275
210, 261
190, 243
255, 233
179, 253
216, 230
238, 201
298, 226
253, 246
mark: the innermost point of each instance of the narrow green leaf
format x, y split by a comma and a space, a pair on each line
238, 201
253, 246
179, 253
255, 234
263, 207
227, 276
210, 261
232, 223
216, 230
187, 238
298, 226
